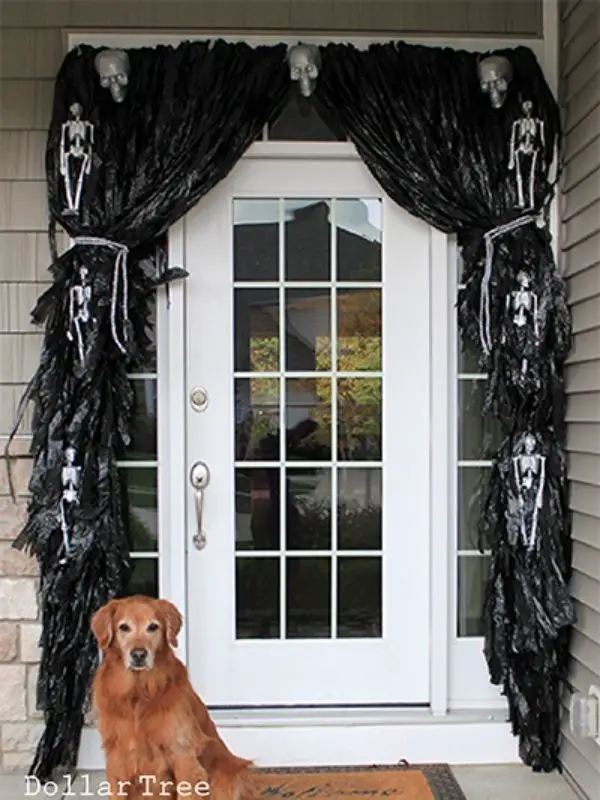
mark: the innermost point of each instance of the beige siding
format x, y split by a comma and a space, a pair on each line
31, 42
580, 97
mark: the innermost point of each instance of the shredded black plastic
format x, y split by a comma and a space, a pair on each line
189, 115
431, 138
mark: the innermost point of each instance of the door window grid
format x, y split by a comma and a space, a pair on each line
139, 470
334, 555
471, 565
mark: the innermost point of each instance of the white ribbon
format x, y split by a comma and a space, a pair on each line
119, 272
484, 302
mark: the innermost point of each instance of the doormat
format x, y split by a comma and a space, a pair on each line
405, 781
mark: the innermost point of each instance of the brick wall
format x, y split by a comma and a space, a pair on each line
20, 725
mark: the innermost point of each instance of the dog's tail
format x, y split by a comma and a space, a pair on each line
230, 779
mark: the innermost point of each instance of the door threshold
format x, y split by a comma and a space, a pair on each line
286, 717
346, 737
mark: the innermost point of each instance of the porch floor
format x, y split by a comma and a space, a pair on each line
478, 783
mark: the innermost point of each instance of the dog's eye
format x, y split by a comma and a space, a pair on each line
124, 627
152, 627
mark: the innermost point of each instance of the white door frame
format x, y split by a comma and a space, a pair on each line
432, 735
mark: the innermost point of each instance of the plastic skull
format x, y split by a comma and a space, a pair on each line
495, 73
113, 68
305, 62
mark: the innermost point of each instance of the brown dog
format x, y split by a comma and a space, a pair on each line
157, 734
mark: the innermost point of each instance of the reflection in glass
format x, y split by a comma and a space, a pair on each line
149, 364
468, 357
144, 578
359, 597
358, 224
359, 330
143, 430
140, 486
300, 122
257, 512
479, 435
256, 315
255, 240
308, 330
359, 419
307, 240
472, 483
308, 509
308, 598
308, 419
359, 508
472, 577
257, 419
257, 598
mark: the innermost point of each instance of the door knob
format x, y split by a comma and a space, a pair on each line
199, 478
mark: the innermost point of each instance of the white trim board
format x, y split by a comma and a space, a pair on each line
110, 37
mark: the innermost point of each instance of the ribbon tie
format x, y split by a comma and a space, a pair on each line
484, 304
119, 275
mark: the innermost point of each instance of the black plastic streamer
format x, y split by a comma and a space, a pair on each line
428, 134
189, 115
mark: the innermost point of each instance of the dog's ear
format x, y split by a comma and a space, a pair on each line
172, 620
102, 624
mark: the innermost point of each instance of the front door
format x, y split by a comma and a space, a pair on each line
308, 372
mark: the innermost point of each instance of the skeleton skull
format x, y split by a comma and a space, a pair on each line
495, 73
113, 68
529, 443
305, 62
523, 279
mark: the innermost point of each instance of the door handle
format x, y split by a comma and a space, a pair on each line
199, 478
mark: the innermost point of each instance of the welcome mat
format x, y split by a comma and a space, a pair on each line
403, 781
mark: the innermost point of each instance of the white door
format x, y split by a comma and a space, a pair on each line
308, 329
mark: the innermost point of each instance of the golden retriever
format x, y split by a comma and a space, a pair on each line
157, 734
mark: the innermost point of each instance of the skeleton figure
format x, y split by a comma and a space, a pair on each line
305, 63
522, 303
70, 478
76, 143
529, 468
113, 68
527, 144
80, 297
495, 73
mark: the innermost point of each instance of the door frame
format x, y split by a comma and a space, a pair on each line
172, 394
481, 738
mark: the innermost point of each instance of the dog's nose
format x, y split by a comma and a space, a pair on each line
138, 656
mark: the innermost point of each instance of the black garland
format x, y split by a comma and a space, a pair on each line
189, 115
430, 137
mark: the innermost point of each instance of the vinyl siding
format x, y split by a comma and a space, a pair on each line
580, 245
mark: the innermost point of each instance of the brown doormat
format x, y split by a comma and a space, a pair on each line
403, 780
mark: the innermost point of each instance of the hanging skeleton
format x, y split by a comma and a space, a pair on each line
529, 473
80, 297
76, 147
527, 146
70, 479
522, 309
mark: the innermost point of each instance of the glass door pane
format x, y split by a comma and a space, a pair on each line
308, 418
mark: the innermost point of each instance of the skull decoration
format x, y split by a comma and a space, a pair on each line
113, 68
305, 62
495, 73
